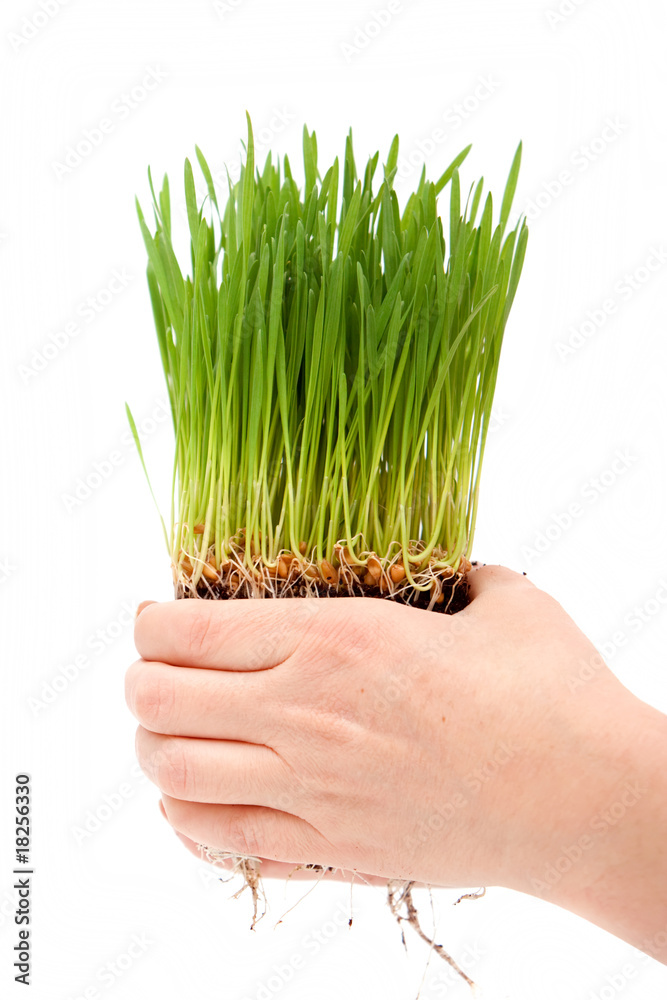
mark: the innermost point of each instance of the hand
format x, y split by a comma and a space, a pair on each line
474, 749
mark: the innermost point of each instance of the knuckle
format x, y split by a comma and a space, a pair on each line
243, 834
201, 631
335, 728
153, 700
138, 745
355, 633
171, 769
132, 677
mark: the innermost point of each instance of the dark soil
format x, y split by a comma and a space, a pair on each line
455, 592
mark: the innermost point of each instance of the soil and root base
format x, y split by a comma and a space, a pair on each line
438, 589
424, 583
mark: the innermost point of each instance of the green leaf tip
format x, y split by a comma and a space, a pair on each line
330, 359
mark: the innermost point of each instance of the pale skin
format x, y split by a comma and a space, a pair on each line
491, 747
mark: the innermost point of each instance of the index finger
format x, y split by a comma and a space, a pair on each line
241, 634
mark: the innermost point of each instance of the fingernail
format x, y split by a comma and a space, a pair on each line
144, 604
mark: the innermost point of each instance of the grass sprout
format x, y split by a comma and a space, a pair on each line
331, 363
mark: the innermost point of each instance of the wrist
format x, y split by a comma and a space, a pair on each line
600, 847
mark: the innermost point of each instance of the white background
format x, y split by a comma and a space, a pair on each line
515, 72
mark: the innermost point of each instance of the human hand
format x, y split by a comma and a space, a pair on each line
365, 735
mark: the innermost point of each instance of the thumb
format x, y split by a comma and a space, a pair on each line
487, 578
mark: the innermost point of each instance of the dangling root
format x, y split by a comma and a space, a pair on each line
471, 895
248, 868
400, 894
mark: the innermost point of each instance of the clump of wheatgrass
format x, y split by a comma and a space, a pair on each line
331, 363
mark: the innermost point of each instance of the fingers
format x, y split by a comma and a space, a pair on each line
310, 872
253, 831
223, 635
280, 869
217, 771
485, 579
202, 703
